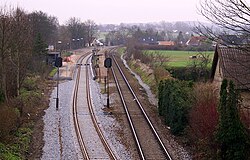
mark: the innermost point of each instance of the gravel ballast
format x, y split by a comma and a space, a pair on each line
59, 134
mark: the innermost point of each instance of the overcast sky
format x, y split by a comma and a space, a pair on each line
114, 11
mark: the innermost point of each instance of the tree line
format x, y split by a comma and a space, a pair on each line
24, 43
24, 40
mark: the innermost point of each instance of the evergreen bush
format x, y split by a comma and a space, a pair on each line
231, 134
174, 102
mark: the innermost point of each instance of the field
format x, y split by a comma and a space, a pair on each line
180, 58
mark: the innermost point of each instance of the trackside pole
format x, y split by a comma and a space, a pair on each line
108, 87
108, 64
57, 90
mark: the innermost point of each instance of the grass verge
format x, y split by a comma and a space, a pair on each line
147, 78
53, 72
20, 145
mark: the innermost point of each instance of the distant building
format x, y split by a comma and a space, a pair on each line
232, 64
150, 40
196, 41
166, 43
97, 42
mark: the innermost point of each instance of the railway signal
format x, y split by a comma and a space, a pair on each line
58, 63
108, 64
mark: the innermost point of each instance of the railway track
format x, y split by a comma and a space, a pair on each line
92, 142
149, 143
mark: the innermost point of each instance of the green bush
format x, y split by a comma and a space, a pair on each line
231, 134
30, 83
174, 102
23, 138
28, 101
30, 97
189, 73
20, 146
7, 154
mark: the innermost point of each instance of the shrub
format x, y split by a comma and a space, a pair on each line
8, 120
174, 102
28, 101
203, 116
23, 136
19, 147
6, 153
231, 134
160, 74
30, 83
190, 73
30, 97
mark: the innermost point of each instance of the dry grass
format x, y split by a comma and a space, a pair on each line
8, 120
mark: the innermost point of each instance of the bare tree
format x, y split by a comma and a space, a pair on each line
91, 29
227, 17
45, 25
231, 28
5, 44
21, 48
64, 36
77, 30
15, 49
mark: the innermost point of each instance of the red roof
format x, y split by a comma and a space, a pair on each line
195, 40
166, 43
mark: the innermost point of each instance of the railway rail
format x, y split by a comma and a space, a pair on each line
149, 143
92, 142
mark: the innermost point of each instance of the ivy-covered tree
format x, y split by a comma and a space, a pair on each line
231, 134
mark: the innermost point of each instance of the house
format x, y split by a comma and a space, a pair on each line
233, 63
196, 40
166, 43
149, 40
97, 42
